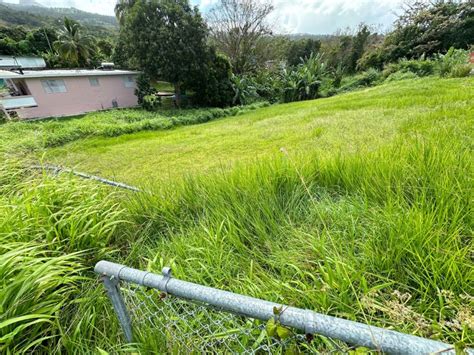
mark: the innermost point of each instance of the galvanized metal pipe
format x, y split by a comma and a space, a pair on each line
350, 332
113, 291
57, 169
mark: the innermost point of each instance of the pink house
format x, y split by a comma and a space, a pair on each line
54, 93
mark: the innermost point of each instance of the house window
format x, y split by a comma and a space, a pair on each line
129, 81
54, 86
94, 81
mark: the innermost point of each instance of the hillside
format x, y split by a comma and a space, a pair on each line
366, 214
36, 16
357, 122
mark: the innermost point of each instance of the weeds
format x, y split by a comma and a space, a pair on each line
382, 236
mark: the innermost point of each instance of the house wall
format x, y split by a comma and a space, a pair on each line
80, 97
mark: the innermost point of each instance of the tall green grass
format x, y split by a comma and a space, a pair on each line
354, 122
51, 234
382, 236
36, 135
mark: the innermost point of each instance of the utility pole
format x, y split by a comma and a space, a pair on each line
47, 39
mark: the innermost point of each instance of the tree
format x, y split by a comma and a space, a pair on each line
345, 49
237, 29
16, 33
359, 44
8, 46
41, 40
72, 46
120, 56
300, 50
338, 51
10, 38
166, 40
431, 27
106, 48
121, 9
214, 86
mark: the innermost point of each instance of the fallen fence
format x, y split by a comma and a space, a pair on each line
57, 169
181, 316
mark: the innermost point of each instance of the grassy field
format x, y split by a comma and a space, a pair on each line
365, 214
353, 123
35, 136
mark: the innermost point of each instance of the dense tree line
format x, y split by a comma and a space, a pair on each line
67, 45
424, 29
233, 53
17, 40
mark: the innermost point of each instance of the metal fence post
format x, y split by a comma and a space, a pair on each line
113, 291
310, 322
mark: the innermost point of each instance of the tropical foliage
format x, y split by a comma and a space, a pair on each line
73, 46
300, 50
304, 82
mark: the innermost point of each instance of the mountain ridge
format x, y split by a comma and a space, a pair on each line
37, 16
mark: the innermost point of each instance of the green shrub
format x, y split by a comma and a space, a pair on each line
451, 64
372, 58
460, 70
455, 60
151, 102
364, 79
397, 76
304, 82
368, 77
214, 87
144, 89
421, 67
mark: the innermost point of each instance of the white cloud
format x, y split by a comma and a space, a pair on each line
327, 16
300, 16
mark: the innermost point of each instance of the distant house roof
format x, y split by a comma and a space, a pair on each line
62, 73
22, 62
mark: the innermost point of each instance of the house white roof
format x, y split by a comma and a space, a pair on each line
4, 74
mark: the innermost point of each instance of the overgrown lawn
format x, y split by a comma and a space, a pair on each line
365, 214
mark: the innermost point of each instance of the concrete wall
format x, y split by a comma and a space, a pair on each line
80, 97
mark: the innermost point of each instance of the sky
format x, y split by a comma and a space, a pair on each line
290, 16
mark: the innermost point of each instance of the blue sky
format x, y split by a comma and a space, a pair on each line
301, 16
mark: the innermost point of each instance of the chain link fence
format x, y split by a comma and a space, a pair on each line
182, 326
174, 316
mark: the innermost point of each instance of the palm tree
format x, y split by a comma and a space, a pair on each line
121, 9
73, 47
